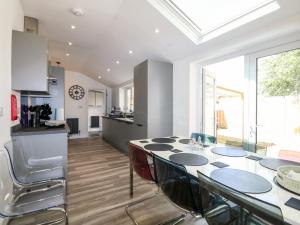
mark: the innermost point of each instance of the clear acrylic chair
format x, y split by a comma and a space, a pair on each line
142, 163
180, 188
29, 170
27, 201
252, 211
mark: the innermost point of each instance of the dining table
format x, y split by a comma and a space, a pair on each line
216, 159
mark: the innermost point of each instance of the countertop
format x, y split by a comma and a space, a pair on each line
19, 131
126, 120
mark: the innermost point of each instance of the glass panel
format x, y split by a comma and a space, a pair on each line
200, 11
229, 100
278, 105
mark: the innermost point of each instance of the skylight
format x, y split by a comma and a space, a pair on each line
202, 20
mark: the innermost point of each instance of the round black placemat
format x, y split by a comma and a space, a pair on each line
241, 180
229, 151
279, 185
184, 141
188, 159
163, 140
273, 163
158, 147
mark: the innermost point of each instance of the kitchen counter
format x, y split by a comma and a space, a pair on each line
126, 120
19, 131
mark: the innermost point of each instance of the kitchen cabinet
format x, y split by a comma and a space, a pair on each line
98, 99
153, 99
118, 132
29, 62
95, 99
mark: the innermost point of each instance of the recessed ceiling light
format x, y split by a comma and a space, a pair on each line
73, 27
70, 43
99, 77
156, 31
108, 69
130, 52
118, 62
68, 54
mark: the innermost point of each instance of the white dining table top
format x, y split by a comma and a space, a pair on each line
277, 196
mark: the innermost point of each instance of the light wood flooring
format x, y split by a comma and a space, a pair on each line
98, 188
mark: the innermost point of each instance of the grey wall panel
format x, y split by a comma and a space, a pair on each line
140, 93
160, 99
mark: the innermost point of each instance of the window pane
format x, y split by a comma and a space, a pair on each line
213, 13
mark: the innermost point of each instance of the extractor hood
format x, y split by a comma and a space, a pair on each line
38, 94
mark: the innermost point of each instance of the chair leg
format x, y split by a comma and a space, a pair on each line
135, 203
172, 221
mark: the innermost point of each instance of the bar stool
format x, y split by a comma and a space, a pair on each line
250, 210
142, 163
27, 171
23, 201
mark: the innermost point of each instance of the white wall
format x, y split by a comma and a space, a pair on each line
12, 17
79, 108
184, 119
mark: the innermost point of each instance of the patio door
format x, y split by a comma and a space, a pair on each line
275, 130
209, 101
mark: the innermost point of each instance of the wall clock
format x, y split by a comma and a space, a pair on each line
76, 92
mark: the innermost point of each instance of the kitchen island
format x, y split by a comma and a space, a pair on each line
43, 142
118, 132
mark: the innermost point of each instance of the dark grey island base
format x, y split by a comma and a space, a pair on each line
19, 131
119, 131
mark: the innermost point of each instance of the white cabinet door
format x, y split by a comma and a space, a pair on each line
99, 98
92, 98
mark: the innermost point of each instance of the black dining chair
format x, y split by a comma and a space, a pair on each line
182, 189
250, 210
205, 138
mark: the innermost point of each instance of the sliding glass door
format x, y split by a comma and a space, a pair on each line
278, 105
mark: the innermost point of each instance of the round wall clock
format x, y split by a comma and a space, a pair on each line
76, 92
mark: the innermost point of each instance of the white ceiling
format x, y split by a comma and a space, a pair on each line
110, 28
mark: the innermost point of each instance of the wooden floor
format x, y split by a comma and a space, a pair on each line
98, 188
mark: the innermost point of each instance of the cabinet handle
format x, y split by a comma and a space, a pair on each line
139, 125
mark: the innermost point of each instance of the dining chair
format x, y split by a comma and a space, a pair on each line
27, 201
250, 211
142, 163
205, 138
29, 170
178, 186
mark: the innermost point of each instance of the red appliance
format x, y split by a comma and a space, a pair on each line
14, 108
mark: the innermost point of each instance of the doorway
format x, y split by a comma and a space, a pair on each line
96, 109
223, 101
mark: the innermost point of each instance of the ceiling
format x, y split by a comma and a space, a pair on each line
110, 28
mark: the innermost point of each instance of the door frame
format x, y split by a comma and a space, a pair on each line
251, 104
203, 101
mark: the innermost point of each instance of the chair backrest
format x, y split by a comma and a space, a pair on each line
255, 209
142, 162
7, 186
205, 138
175, 183
16, 154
